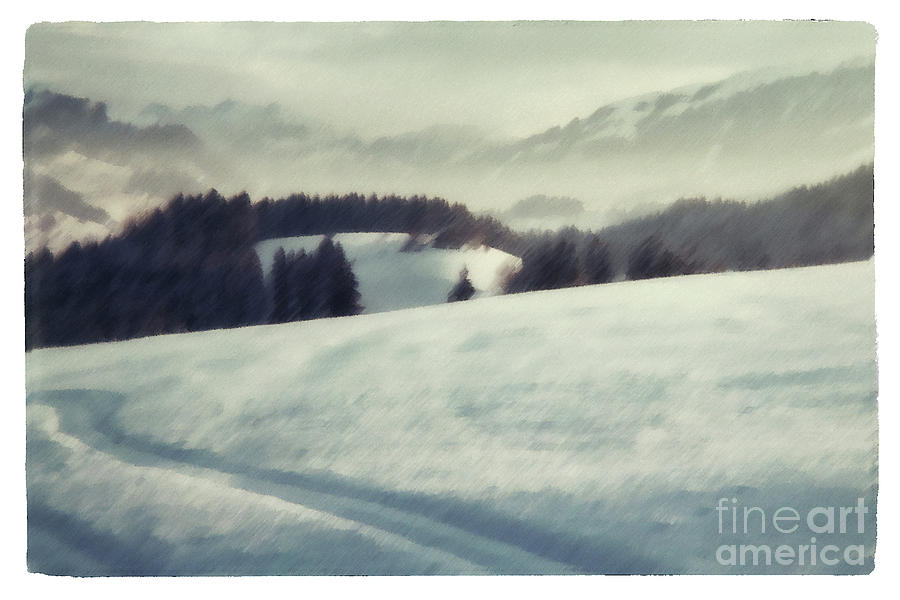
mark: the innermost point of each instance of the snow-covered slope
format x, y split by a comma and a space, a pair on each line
390, 278
747, 137
584, 430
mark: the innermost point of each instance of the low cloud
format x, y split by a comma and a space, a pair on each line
54, 123
541, 206
44, 195
162, 183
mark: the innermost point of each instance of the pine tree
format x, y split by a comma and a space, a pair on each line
651, 259
280, 288
463, 290
597, 266
343, 295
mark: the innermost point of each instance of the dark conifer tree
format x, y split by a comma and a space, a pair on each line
597, 262
301, 285
550, 264
651, 259
280, 290
338, 285
463, 290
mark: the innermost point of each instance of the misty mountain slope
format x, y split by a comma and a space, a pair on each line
741, 111
591, 429
391, 278
825, 223
746, 137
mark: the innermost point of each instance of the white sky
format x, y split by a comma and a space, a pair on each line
383, 78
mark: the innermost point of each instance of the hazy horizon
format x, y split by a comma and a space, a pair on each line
509, 79
623, 118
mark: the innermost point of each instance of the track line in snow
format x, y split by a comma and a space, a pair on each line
429, 522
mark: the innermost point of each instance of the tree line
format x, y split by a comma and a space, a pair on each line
191, 265
826, 223
311, 286
451, 225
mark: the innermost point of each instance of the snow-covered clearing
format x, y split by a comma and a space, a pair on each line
391, 279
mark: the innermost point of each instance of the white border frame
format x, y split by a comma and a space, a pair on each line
12, 560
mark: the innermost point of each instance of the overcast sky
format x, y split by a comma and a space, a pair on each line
382, 78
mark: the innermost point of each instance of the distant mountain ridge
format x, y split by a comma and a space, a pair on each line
746, 137
737, 138
696, 113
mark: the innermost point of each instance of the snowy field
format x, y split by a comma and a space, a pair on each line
588, 430
391, 279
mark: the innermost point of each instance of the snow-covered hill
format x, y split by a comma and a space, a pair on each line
593, 429
391, 278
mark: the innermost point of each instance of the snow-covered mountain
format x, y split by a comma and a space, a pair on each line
394, 272
746, 137
749, 136
592, 429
